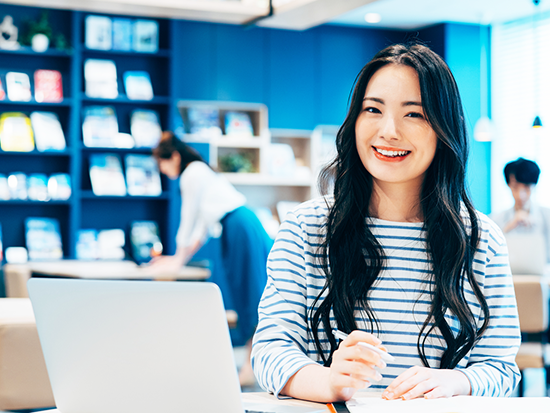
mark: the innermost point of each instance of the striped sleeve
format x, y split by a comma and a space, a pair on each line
492, 369
280, 342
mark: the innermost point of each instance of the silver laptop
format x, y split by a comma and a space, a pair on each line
527, 253
137, 346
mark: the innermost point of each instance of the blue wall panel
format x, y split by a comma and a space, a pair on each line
462, 53
292, 83
240, 63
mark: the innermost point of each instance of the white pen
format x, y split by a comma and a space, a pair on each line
385, 356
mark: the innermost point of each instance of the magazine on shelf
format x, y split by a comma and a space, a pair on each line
110, 243
138, 85
59, 186
122, 34
145, 36
238, 124
43, 239
4, 188
2, 91
145, 240
101, 78
37, 187
48, 132
100, 127
16, 132
48, 86
281, 160
86, 244
106, 175
19, 87
142, 175
98, 33
17, 184
145, 128
204, 120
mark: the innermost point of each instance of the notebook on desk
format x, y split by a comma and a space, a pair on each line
137, 346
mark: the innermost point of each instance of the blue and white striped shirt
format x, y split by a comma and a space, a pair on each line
400, 298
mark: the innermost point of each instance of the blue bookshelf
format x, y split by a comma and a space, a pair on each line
85, 210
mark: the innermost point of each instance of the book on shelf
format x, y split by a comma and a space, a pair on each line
2, 91
43, 239
4, 188
48, 86
138, 85
142, 175
59, 187
238, 124
145, 128
98, 32
100, 78
145, 36
281, 160
110, 243
145, 241
106, 175
86, 244
100, 127
122, 34
16, 132
37, 187
204, 120
17, 184
48, 133
18, 85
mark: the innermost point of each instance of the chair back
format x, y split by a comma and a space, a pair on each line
532, 300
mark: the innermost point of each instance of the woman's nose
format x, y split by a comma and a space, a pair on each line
388, 128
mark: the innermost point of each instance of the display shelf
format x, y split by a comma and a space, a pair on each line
66, 102
65, 152
87, 194
252, 179
162, 53
83, 209
157, 100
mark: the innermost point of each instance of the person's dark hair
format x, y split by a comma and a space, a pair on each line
169, 144
525, 171
351, 256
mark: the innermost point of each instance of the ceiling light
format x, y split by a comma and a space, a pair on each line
373, 18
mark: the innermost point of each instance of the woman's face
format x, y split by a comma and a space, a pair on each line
171, 167
394, 140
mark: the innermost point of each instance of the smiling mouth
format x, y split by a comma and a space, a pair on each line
390, 153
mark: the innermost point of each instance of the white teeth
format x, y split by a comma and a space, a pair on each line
391, 153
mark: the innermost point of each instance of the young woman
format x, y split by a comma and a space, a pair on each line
397, 257
211, 206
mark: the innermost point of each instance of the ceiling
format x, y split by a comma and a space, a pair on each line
304, 14
413, 14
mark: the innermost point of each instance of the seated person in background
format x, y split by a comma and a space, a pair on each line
397, 257
525, 216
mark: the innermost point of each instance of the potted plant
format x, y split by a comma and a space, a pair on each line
39, 33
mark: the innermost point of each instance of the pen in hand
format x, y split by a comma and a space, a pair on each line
385, 356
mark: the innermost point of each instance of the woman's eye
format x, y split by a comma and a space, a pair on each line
371, 109
415, 115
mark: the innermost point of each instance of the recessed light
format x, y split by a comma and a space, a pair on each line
373, 18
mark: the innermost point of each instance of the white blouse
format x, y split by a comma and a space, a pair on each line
206, 198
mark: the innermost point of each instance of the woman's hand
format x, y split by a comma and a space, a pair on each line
353, 366
430, 383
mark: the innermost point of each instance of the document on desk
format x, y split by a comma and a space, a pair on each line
459, 404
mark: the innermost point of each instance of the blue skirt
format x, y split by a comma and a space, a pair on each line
243, 249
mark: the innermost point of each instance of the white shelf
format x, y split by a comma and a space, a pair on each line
265, 180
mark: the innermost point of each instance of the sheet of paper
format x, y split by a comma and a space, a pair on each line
461, 404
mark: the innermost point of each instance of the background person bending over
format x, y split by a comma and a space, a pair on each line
211, 206
397, 257
525, 217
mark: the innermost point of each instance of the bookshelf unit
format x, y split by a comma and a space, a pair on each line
84, 210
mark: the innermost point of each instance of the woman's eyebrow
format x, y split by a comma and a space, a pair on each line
412, 103
381, 101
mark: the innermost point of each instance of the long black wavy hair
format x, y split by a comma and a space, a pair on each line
351, 256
